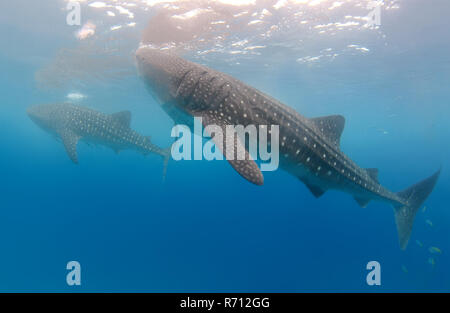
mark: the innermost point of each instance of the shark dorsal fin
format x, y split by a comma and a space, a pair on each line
123, 118
331, 127
373, 173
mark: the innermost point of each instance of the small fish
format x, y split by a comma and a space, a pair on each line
429, 223
420, 244
404, 269
424, 209
435, 250
431, 261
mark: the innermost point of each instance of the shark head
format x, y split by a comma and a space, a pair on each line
44, 115
162, 72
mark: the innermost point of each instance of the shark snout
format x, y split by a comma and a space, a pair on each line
151, 59
39, 113
35, 114
32, 112
141, 57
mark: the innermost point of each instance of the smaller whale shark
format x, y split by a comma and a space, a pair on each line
73, 123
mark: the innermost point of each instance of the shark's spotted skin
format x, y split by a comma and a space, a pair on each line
309, 148
73, 123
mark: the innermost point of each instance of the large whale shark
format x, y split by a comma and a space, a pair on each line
72, 123
309, 147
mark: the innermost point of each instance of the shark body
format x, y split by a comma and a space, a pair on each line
309, 147
73, 123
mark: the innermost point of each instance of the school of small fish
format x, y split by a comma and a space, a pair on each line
432, 249
431, 261
435, 250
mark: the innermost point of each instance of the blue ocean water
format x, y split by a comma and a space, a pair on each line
205, 229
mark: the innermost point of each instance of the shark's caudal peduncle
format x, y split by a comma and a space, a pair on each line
309, 148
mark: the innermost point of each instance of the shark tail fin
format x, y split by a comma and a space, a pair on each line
166, 156
413, 197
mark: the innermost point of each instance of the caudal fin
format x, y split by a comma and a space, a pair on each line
413, 198
165, 153
166, 156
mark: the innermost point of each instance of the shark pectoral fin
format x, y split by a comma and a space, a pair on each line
331, 127
123, 118
247, 168
70, 140
316, 191
241, 162
362, 202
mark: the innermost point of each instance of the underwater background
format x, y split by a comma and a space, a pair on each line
206, 229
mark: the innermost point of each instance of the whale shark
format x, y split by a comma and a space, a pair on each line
72, 123
309, 147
